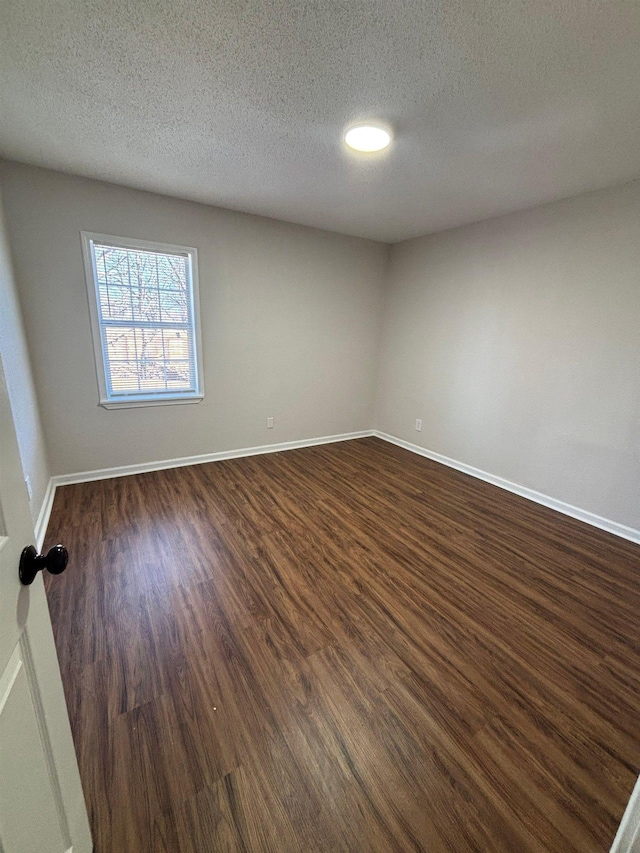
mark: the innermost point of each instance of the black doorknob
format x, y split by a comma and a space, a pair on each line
54, 561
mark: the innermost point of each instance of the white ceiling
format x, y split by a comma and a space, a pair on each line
496, 104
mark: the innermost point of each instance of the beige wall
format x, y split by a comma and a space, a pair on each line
517, 341
17, 370
290, 323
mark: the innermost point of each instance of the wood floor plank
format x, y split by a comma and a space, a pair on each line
344, 648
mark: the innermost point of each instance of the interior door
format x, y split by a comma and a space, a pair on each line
42, 809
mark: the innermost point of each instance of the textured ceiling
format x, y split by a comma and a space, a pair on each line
496, 104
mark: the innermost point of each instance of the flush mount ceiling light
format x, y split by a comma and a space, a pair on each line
367, 137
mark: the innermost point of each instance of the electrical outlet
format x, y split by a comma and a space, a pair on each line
418, 425
269, 423
27, 480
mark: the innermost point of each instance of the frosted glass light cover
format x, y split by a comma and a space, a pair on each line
367, 137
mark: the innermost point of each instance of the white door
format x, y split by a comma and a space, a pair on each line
42, 809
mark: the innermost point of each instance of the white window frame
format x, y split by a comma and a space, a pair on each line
147, 399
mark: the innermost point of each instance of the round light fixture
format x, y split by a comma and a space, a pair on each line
367, 137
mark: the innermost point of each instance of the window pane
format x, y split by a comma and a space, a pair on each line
142, 270
144, 286
177, 374
111, 265
146, 304
121, 343
172, 272
177, 344
151, 360
174, 306
124, 377
115, 302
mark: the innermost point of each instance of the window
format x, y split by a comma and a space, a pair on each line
143, 301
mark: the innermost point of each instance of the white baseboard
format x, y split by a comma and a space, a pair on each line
591, 518
614, 527
180, 462
45, 512
627, 838
145, 467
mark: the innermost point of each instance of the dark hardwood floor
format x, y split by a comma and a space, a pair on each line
344, 648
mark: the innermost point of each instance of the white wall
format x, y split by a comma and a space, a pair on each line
517, 341
17, 370
290, 323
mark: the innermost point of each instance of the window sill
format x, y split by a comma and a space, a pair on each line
141, 403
